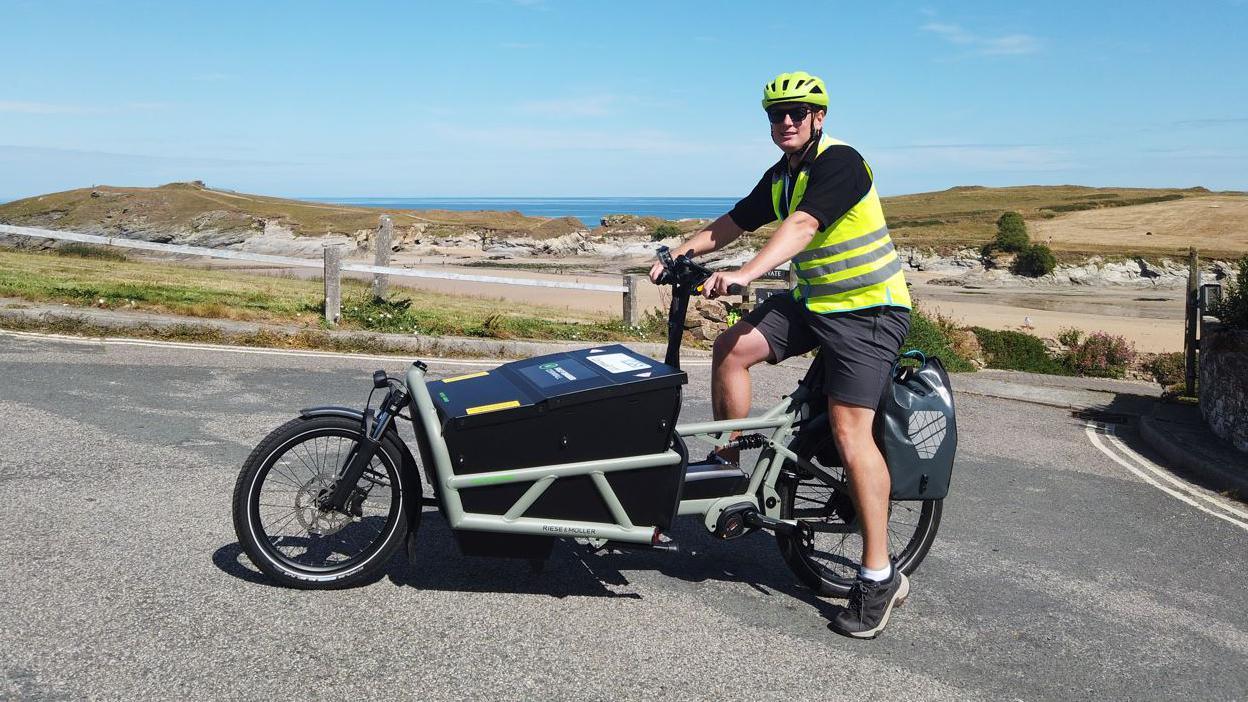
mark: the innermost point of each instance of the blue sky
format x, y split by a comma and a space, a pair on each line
596, 98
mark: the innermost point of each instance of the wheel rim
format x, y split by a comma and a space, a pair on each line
832, 546
297, 536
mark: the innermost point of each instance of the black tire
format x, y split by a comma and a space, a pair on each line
286, 471
827, 562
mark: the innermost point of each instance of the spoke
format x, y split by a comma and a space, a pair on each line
280, 524
295, 451
288, 478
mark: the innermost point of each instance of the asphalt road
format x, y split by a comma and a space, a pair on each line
1057, 573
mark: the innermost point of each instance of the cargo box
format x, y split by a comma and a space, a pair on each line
591, 404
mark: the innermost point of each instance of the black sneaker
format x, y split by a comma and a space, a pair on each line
870, 604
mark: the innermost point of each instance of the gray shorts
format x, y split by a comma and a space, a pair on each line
857, 348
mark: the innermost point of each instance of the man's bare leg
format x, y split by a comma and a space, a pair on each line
738, 348
869, 482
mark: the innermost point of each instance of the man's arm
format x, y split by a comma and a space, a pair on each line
794, 234
718, 234
715, 236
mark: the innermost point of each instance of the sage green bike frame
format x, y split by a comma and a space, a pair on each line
760, 492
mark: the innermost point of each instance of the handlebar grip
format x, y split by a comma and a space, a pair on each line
736, 289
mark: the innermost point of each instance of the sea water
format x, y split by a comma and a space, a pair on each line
589, 210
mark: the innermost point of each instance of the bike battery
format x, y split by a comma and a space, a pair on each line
589, 404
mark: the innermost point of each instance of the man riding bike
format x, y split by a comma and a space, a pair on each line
850, 300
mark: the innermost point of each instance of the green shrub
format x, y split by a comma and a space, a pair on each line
1069, 336
1011, 350
1034, 261
1233, 308
1168, 368
1011, 233
934, 337
1101, 355
664, 231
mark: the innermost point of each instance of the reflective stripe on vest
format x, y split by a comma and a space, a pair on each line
851, 264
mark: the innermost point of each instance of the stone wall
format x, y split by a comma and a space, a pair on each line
1224, 384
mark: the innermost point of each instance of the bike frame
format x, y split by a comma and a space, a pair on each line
782, 420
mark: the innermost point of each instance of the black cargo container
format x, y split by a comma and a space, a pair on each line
606, 402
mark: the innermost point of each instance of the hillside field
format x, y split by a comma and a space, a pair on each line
1076, 221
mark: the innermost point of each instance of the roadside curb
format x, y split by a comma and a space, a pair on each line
441, 346
1165, 438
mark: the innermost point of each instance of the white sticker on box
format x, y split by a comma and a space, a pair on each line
617, 362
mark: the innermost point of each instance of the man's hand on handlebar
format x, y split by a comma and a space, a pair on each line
655, 271
719, 283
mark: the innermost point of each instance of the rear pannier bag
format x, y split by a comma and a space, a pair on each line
916, 429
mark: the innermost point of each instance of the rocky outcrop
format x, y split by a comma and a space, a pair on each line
706, 319
969, 268
1224, 386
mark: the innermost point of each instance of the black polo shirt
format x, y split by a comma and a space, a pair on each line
839, 179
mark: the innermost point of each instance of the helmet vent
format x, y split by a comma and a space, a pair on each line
785, 84
816, 89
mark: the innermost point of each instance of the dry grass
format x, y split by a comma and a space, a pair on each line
181, 206
1082, 221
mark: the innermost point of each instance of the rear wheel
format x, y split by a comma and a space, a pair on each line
826, 556
283, 531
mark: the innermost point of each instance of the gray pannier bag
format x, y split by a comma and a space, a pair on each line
916, 429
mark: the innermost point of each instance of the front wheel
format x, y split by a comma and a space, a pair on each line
276, 514
826, 554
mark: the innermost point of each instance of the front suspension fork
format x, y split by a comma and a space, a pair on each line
337, 497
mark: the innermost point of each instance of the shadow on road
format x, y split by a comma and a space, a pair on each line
576, 571
229, 560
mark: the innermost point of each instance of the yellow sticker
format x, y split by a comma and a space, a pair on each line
465, 377
481, 409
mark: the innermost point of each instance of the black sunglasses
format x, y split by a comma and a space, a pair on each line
796, 113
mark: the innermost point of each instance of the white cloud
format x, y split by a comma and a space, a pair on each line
1004, 45
43, 108
970, 157
587, 106
48, 108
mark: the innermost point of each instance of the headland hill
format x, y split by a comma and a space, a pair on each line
1120, 252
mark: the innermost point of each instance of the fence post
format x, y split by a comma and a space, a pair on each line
333, 285
1190, 319
632, 306
381, 257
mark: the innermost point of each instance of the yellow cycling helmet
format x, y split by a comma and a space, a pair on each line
798, 86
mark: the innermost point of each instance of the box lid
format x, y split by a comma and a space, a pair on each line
542, 383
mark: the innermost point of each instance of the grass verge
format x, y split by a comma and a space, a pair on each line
304, 339
936, 336
86, 280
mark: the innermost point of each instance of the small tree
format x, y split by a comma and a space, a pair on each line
1034, 261
1011, 233
664, 231
1233, 309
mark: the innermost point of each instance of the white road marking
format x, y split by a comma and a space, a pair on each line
122, 341
1164, 474
1095, 429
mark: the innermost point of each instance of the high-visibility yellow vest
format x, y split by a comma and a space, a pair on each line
850, 265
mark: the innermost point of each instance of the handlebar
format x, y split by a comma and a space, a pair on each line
686, 278
685, 272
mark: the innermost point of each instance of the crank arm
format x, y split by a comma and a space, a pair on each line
758, 520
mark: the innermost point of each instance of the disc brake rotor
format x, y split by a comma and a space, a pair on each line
317, 521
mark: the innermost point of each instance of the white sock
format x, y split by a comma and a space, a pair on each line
878, 576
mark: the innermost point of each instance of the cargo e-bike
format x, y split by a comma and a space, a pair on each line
581, 445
